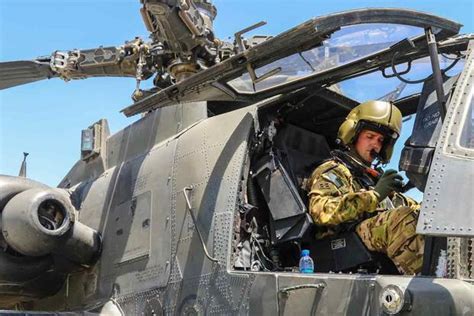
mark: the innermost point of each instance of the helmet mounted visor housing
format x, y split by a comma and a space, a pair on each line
380, 116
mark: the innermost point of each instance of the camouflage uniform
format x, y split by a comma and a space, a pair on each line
336, 197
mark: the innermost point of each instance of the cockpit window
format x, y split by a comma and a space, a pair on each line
467, 134
349, 44
373, 85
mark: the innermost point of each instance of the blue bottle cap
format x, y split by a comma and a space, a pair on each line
304, 252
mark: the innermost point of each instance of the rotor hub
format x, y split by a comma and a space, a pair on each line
182, 70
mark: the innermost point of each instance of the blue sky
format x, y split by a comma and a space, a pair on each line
46, 118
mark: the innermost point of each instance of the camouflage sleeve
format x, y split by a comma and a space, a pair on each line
332, 200
411, 203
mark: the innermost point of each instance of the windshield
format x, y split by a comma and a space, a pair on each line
467, 136
344, 46
375, 86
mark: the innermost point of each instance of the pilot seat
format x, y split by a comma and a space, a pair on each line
279, 176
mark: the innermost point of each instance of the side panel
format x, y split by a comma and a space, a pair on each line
313, 295
357, 294
209, 157
263, 295
130, 205
137, 242
447, 208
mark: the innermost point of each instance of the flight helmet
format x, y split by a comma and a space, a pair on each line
379, 116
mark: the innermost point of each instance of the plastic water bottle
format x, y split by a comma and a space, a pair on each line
306, 263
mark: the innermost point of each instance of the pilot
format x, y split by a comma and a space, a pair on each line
346, 192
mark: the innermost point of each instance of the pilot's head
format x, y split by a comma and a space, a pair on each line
371, 129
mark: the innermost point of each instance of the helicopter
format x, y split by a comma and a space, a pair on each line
197, 207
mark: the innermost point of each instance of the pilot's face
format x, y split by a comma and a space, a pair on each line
367, 142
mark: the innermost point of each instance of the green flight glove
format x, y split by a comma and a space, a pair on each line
388, 182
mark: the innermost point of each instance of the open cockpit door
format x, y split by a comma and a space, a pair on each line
317, 53
448, 204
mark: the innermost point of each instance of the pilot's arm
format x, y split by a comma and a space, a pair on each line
333, 199
407, 201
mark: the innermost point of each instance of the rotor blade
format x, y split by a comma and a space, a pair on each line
14, 73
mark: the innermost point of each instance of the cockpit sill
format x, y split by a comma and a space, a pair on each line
414, 295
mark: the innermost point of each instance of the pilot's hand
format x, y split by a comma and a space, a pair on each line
388, 182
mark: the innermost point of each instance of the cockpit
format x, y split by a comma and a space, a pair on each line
297, 130
303, 83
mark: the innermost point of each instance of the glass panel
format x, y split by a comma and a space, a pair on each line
374, 86
467, 135
344, 46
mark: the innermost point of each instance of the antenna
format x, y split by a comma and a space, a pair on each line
22, 172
